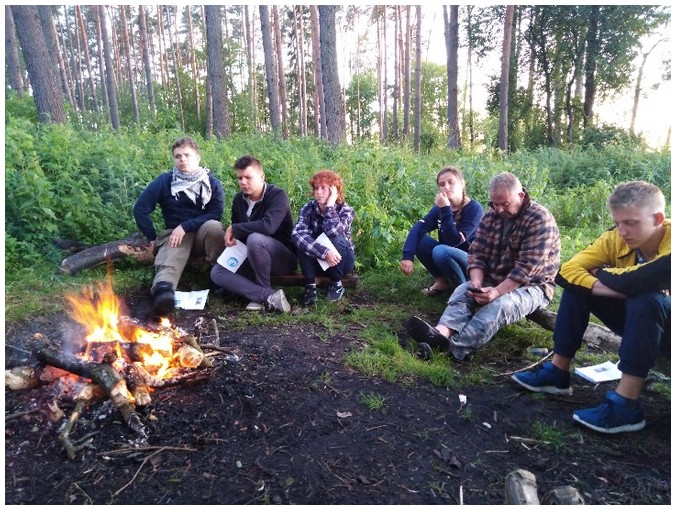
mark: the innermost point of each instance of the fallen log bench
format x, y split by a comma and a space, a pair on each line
296, 279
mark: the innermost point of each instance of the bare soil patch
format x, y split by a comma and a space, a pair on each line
286, 424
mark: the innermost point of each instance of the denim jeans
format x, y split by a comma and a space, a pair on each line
310, 267
265, 256
442, 260
643, 321
475, 324
452, 262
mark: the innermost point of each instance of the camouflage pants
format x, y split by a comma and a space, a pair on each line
474, 325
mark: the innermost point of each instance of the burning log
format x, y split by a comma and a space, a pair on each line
135, 245
105, 375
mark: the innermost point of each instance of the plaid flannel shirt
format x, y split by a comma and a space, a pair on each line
529, 255
335, 221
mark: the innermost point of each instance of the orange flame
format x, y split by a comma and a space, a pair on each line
98, 310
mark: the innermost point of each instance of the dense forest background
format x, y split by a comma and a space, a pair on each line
219, 70
95, 95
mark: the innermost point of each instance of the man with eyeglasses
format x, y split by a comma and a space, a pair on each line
512, 264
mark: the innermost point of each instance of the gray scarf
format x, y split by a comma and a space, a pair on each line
193, 184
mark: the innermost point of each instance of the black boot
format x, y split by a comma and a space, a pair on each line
163, 300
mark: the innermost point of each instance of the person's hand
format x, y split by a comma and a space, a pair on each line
483, 295
176, 237
333, 196
333, 258
441, 200
229, 238
406, 267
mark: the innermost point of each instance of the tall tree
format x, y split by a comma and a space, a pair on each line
639, 80
335, 116
193, 64
216, 71
270, 70
418, 79
143, 34
300, 67
590, 64
451, 33
110, 69
130, 72
42, 75
317, 61
407, 72
88, 61
52, 42
12, 53
504, 79
281, 75
102, 66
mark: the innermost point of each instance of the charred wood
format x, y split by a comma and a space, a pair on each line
136, 246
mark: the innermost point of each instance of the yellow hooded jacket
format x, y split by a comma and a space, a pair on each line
609, 251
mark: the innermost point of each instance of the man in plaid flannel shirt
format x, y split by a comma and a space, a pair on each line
513, 261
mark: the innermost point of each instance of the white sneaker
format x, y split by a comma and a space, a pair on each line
255, 307
277, 302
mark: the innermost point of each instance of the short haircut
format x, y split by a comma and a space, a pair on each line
452, 170
505, 180
637, 194
183, 141
246, 161
329, 178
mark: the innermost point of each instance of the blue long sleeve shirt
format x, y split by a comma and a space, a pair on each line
176, 210
442, 219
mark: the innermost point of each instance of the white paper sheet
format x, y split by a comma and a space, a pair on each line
602, 372
233, 256
193, 300
325, 241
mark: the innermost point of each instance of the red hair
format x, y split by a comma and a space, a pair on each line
329, 178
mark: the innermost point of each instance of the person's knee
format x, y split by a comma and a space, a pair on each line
256, 241
654, 305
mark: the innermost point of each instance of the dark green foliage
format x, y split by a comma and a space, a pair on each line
63, 182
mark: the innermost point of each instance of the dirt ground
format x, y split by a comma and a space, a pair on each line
285, 423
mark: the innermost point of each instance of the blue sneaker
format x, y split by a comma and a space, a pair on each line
546, 379
335, 292
615, 414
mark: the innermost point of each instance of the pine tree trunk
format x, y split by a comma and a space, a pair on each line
110, 70
12, 54
216, 71
130, 73
451, 33
270, 70
590, 65
418, 79
102, 67
300, 71
143, 34
76, 54
177, 66
41, 71
504, 79
281, 77
318, 76
85, 46
193, 63
335, 116
52, 42
407, 74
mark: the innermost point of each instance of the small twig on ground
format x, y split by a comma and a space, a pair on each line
123, 451
218, 348
20, 414
18, 349
121, 489
526, 368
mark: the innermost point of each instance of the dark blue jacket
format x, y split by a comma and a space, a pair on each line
176, 210
441, 218
270, 216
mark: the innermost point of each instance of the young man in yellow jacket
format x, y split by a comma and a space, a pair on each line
624, 279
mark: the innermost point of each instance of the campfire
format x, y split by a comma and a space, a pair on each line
115, 357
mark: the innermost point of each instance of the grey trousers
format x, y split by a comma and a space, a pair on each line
207, 241
474, 325
265, 256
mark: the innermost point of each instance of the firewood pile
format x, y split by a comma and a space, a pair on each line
118, 359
